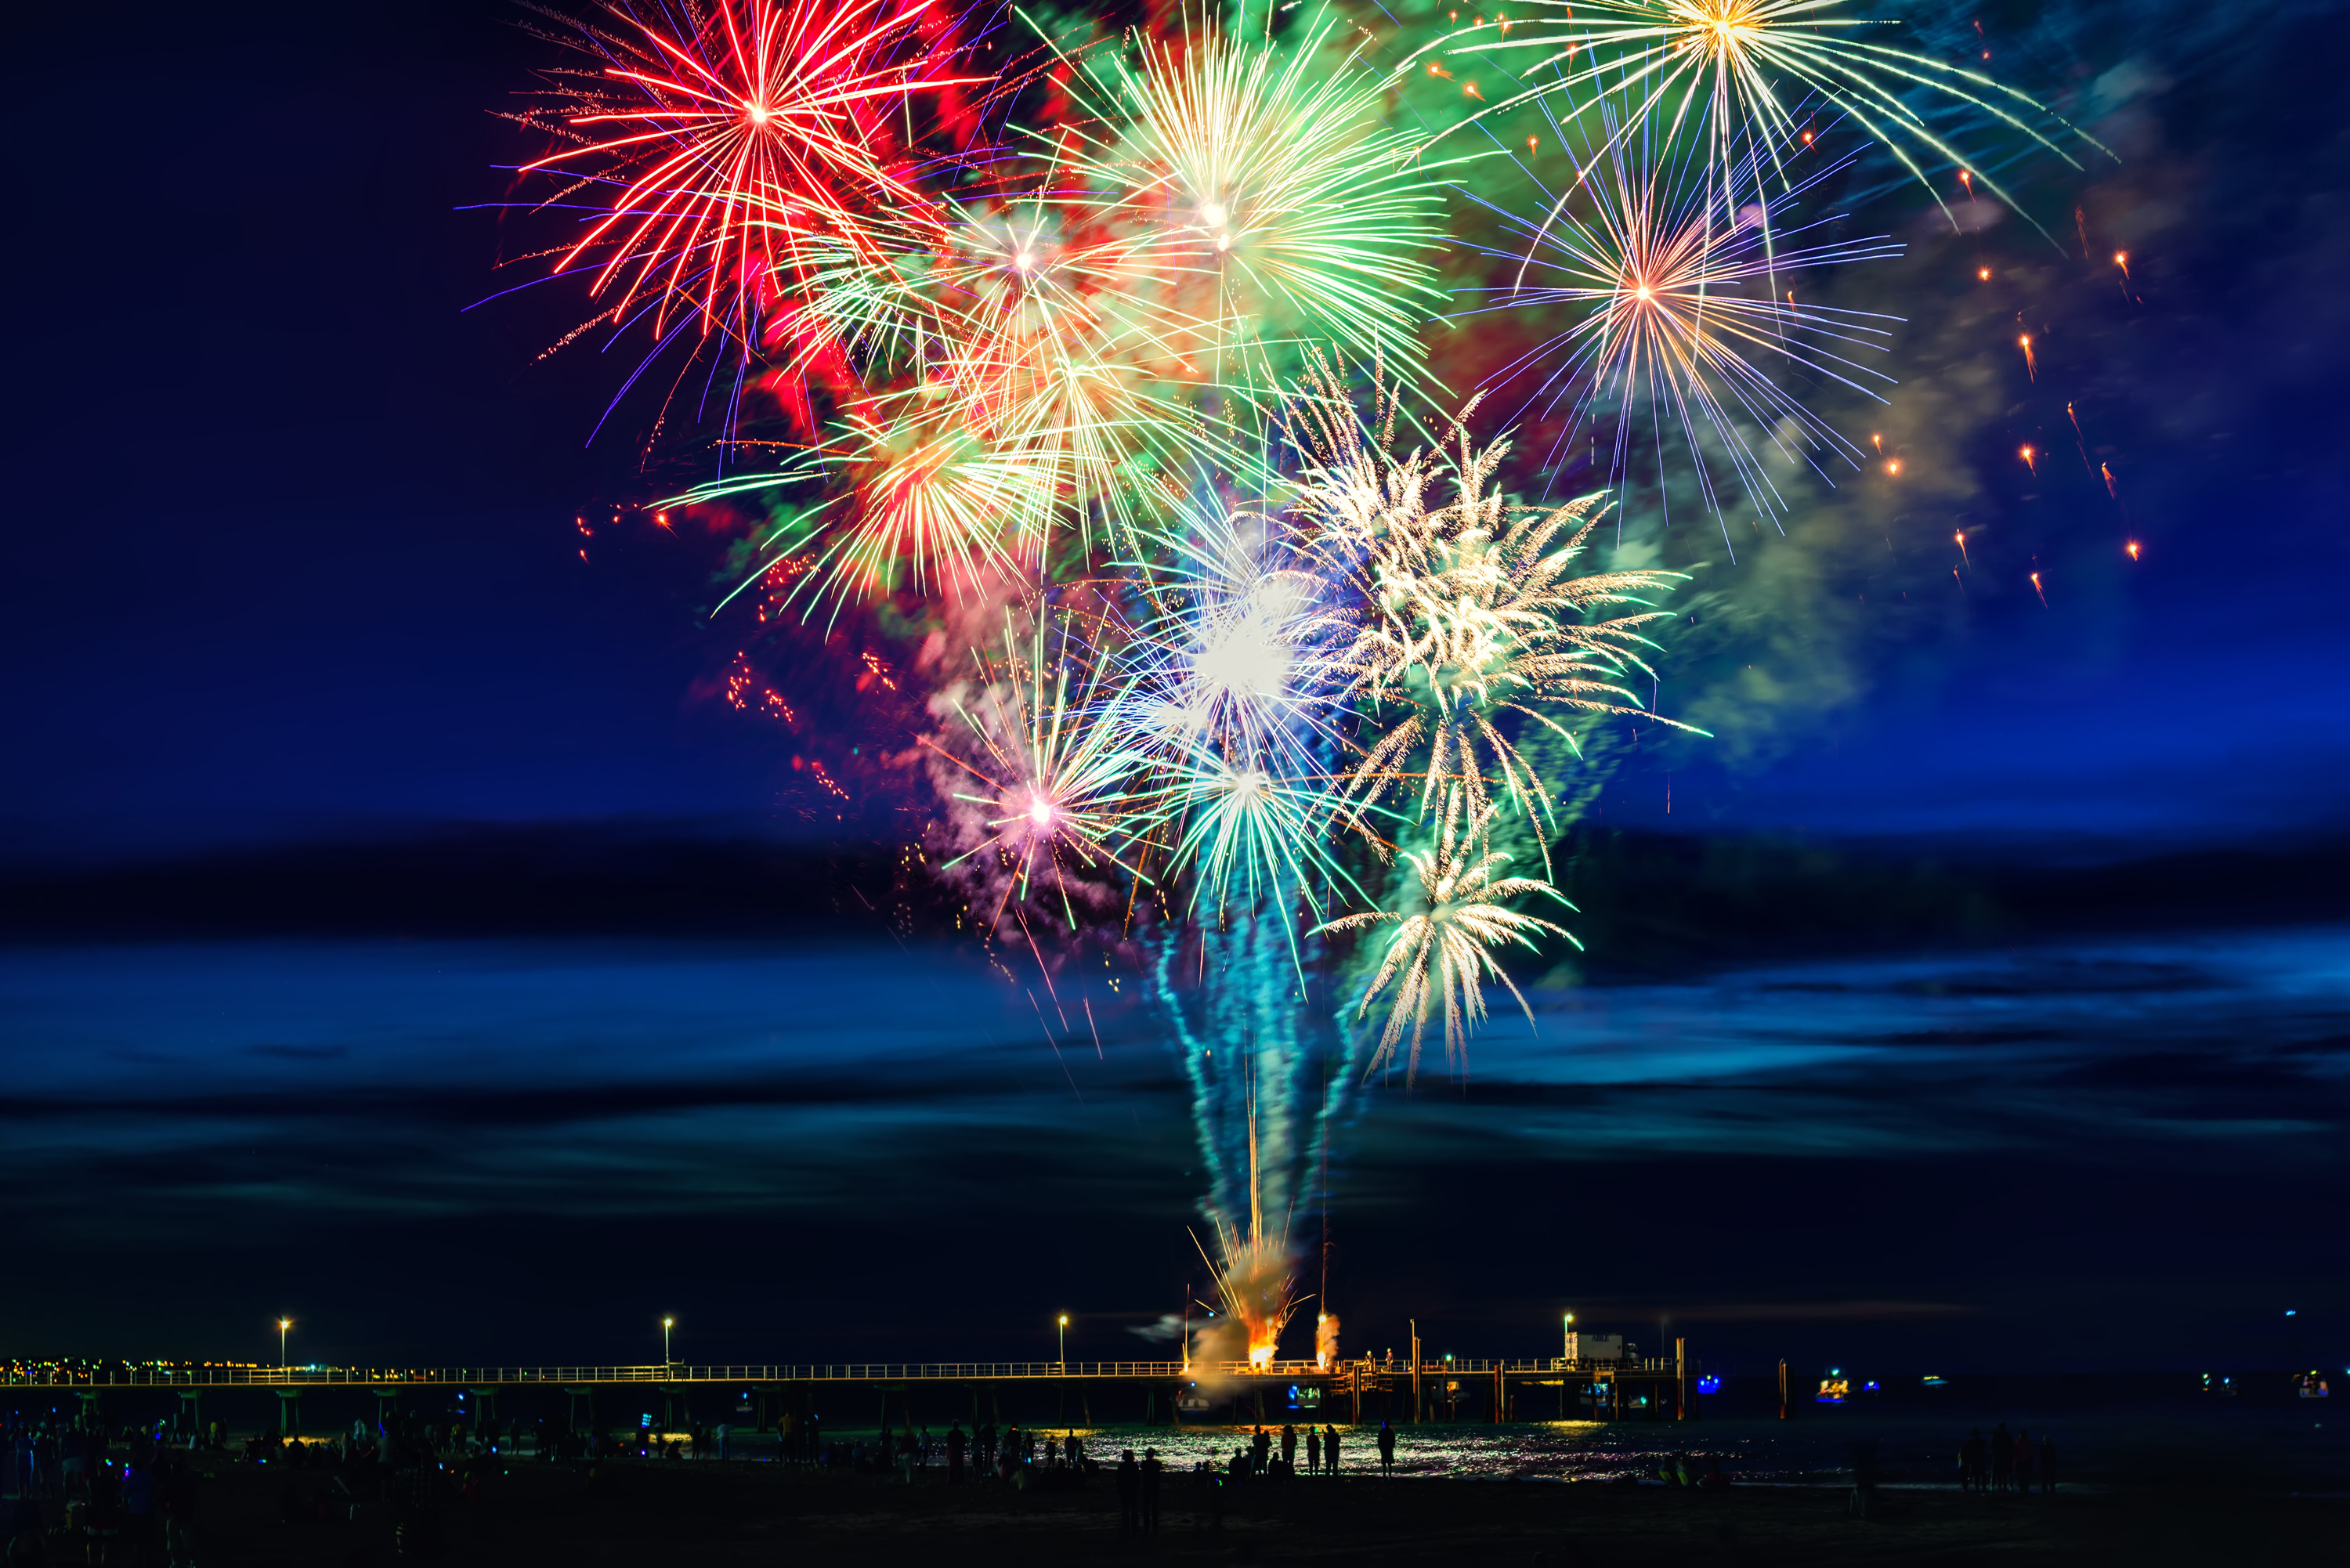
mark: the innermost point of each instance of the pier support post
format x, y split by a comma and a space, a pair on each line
1680, 1380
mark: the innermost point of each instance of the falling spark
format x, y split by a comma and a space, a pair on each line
2040, 591
2132, 548
1961, 537
2030, 364
2029, 461
2106, 469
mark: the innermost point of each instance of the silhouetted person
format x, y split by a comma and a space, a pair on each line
1313, 1451
2024, 1454
1129, 1493
1974, 1460
1260, 1452
2002, 1459
1863, 1478
1387, 1449
955, 1454
1150, 1469
1289, 1447
1330, 1449
2047, 1464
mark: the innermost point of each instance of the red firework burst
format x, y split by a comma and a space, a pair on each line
754, 140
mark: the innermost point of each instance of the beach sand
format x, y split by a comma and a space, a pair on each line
648, 1514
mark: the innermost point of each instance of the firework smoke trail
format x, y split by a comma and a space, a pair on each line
1270, 1070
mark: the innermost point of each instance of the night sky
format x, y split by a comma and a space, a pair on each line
292, 564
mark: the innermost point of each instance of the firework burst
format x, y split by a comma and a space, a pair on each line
1676, 322
1741, 76
1261, 187
734, 146
1469, 616
1441, 952
1035, 784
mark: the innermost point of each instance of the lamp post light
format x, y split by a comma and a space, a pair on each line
284, 1323
1063, 1366
667, 1323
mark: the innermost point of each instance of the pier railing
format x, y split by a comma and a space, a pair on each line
226, 1375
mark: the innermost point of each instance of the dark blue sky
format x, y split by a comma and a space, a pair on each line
290, 548
290, 555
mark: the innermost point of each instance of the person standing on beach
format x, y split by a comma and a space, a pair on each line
1129, 1493
2023, 1455
2002, 1459
2047, 1464
1387, 1449
1330, 1449
1288, 1448
1313, 1451
955, 1454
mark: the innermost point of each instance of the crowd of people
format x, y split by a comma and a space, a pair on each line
127, 1495
71, 1493
81, 1490
2007, 1462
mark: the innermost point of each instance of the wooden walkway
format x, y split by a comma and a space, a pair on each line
237, 1375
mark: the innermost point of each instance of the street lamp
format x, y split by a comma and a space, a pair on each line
1065, 1342
667, 1323
284, 1323
1566, 1336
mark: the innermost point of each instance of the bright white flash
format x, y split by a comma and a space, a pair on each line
1245, 658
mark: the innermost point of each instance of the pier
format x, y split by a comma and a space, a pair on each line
1399, 1390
